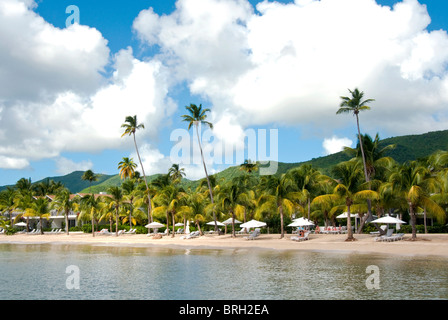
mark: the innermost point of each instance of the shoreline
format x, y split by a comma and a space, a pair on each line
426, 244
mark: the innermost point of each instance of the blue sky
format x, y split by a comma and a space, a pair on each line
258, 65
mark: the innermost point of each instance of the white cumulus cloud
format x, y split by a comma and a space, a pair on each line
335, 144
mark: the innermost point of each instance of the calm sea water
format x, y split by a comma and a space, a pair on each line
38, 272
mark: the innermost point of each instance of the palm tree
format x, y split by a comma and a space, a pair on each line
176, 173
39, 208
127, 168
249, 166
131, 125
348, 189
356, 104
115, 201
89, 176
169, 202
232, 198
415, 183
130, 193
377, 164
91, 207
280, 192
310, 182
8, 202
194, 208
197, 116
66, 203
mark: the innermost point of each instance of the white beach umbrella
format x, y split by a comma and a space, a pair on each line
301, 222
212, 223
229, 221
154, 225
388, 220
20, 224
187, 228
344, 216
253, 224
179, 224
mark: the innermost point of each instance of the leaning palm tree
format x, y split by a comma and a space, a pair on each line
127, 168
197, 116
131, 125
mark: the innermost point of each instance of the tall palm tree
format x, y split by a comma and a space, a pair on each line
131, 125
66, 203
415, 183
355, 104
90, 176
197, 116
127, 168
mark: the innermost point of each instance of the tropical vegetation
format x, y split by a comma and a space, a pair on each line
367, 182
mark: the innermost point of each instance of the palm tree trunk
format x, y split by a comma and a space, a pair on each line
233, 225
413, 221
349, 226
146, 182
282, 234
172, 215
66, 222
93, 227
424, 219
309, 208
116, 223
206, 175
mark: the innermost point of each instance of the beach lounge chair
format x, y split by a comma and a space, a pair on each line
386, 236
2, 231
192, 235
243, 230
131, 231
103, 231
383, 227
253, 235
298, 238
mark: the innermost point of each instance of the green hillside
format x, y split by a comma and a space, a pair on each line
411, 147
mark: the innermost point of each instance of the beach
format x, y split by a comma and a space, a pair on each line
425, 245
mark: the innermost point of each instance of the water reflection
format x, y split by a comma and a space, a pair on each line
38, 272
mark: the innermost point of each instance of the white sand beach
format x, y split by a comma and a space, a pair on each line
425, 245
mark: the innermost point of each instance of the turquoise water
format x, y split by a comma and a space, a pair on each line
38, 272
